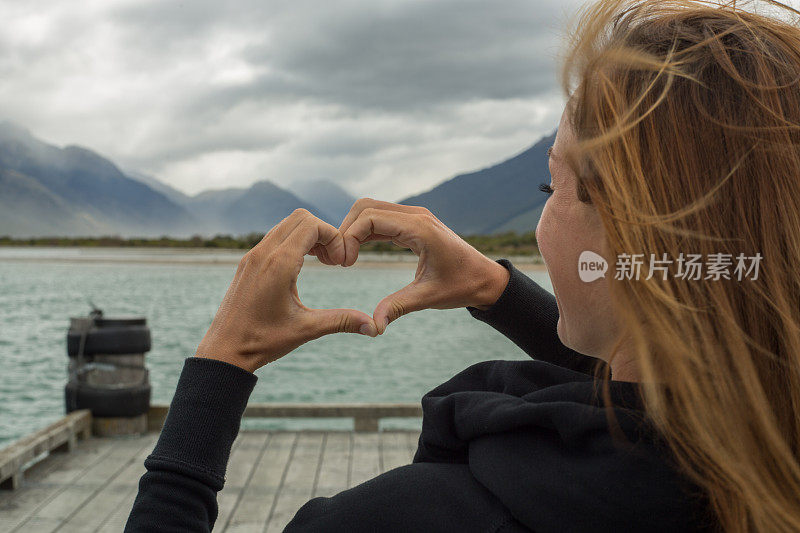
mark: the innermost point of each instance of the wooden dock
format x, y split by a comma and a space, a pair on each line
270, 474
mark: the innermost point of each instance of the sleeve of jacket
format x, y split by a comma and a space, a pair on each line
528, 314
187, 466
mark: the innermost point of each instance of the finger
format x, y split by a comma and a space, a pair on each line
327, 256
377, 238
364, 203
326, 321
322, 254
412, 297
313, 231
278, 233
403, 229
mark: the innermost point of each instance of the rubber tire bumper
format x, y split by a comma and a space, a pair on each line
130, 401
111, 340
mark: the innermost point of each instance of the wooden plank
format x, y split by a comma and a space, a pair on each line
334, 472
394, 450
96, 482
54, 462
68, 501
245, 453
48, 478
14, 511
60, 435
130, 475
116, 521
42, 525
226, 503
252, 510
298, 483
244, 458
366, 458
270, 475
225, 499
95, 512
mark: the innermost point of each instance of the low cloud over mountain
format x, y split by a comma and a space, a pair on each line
50, 191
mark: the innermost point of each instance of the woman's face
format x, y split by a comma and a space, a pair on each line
566, 228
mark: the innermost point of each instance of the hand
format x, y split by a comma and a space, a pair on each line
261, 317
450, 273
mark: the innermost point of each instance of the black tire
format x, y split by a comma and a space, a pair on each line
110, 340
130, 401
120, 321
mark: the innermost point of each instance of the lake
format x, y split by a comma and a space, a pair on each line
179, 292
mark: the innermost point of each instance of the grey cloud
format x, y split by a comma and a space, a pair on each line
391, 56
178, 146
426, 53
333, 88
347, 144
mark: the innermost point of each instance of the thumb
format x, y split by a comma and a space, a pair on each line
327, 321
410, 298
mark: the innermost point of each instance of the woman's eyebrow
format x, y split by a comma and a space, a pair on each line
549, 151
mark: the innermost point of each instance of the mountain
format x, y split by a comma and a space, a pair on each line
327, 196
28, 208
210, 207
157, 185
262, 206
238, 210
48, 190
523, 222
496, 199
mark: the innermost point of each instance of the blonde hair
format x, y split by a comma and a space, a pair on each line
687, 122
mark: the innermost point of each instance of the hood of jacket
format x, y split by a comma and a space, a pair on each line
538, 437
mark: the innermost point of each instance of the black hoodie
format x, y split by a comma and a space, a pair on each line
506, 446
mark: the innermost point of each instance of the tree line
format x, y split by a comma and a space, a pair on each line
509, 242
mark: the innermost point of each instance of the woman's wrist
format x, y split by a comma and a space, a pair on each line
492, 287
221, 351
241, 363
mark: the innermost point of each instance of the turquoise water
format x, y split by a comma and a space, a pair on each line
37, 297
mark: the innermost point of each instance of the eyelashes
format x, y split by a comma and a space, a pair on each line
545, 188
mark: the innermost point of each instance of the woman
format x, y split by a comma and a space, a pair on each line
656, 399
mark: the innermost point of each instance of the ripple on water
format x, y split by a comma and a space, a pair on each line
180, 301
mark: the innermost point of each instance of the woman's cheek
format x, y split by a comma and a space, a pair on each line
542, 233
554, 239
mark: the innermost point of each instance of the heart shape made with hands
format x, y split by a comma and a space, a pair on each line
383, 313
259, 322
450, 272
340, 247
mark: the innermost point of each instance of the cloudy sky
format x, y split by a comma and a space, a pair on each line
385, 97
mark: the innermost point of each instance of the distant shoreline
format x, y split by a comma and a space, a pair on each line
206, 257
308, 264
500, 244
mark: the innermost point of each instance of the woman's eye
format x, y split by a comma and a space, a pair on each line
545, 188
